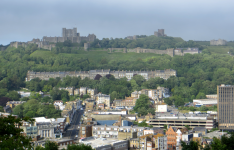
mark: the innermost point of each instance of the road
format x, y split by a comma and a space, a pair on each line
73, 130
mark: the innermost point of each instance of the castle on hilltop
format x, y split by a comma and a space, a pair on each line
165, 74
160, 33
67, 34
218, 42
72, 35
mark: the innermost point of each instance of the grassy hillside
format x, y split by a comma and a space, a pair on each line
95, 55
218, 49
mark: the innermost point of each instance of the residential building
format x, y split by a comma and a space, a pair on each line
69, 89
204, 102
59, 104
101, 106
153, 131
165, 74
154, 94
160, 107
91, 92
85, 130
24, 94
161, 142
12, 104
113, 131
128, 103
29, 130
62, 143
225, 97
103, 98
212, 96
187, 137
105, 131
202, 130
171, 138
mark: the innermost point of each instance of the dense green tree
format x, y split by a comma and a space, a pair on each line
79, 147
191, 146
10, 136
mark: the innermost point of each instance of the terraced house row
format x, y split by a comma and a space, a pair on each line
165, 74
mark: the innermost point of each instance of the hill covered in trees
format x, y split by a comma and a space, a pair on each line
197, 74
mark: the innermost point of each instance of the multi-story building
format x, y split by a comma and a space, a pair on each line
165, 74
103, 98
225, 98
180, 121
171, 138
29, 130
112, 131
128, 103
59, 104
85, 130
92, 92
155, 94
160, 107
69, 89
161, 142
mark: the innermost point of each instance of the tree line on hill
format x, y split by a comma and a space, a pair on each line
147, 42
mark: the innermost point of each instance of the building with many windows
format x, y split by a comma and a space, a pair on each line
225, 98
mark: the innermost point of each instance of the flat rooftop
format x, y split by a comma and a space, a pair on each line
96, 142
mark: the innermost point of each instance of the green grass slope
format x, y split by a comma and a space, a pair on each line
95, 55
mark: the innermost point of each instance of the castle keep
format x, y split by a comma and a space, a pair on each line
67, 34
72, 35
165, 74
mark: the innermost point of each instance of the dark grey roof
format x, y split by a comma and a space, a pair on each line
199, 129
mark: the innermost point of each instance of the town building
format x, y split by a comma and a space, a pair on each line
171, 137
105, 144
165, 74
12, 104
69, 89
153, 131
225, 99
128, 103
85, 130
204, 102
103, 99
160, 107
154, 94
59, 105
194, 120
113, 131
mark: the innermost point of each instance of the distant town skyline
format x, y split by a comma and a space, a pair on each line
191, 20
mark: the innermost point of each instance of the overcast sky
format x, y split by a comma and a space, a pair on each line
23, 20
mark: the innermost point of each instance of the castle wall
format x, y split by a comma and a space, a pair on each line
218, 42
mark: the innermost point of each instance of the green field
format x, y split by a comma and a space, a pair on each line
219, 49
95, 55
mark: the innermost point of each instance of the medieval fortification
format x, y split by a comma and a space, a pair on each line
165, 74
74, 37
67, 34
218, 42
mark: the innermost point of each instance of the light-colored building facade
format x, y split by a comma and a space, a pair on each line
165, 74
102, 98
